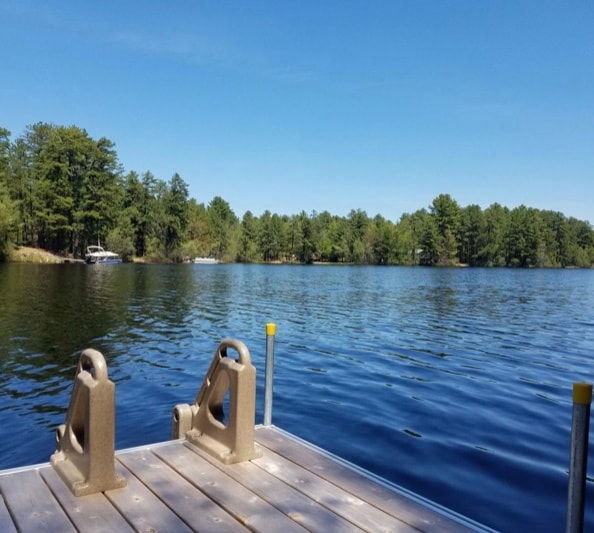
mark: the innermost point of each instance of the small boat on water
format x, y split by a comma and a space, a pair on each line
205, 261
96, 255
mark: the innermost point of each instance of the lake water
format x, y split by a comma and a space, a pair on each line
453, 383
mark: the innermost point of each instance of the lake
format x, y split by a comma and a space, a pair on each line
453, 383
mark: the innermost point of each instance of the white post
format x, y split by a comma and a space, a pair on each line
270, 333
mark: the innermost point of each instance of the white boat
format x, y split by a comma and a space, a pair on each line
96, 255
205, 261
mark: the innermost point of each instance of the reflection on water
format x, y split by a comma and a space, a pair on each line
455, 383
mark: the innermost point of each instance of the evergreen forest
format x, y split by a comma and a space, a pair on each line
61, 190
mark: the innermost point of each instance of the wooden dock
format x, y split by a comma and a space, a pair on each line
216, 474
175, 487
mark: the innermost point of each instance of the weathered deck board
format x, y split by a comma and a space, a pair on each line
174, 486
189, 503
31, 504
336, 499
247, 507
144, 509
287, 499
6, 523
398, 504
93, 513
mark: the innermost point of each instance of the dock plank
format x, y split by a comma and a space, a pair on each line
335, 498
425, 516
31, 503
300, 507
6, 523
190, 504
143, 509
93, 513
246, 506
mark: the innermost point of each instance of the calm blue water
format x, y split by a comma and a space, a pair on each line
453, 383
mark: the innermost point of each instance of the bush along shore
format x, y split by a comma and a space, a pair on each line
26, 254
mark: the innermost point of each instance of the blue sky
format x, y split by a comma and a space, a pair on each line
334, 105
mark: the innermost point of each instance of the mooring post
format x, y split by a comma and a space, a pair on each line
85, 443
578, 460
270, 333
229, 437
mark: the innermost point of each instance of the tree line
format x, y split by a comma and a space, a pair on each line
62, 190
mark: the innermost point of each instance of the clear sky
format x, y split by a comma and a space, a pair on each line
292, 105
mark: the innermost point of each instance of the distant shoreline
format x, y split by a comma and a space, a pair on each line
31, 255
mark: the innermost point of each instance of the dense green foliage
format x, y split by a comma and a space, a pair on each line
62, 190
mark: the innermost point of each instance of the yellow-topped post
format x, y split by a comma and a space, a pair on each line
270, 334
582, 393
578, 460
